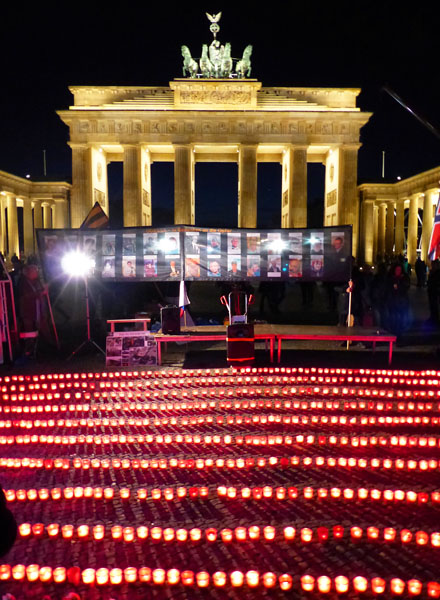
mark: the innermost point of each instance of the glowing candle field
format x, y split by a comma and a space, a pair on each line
209, 483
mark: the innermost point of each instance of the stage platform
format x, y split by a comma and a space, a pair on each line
275, 334
223, 483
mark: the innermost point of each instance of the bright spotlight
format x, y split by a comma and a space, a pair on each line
277, 246
77, 264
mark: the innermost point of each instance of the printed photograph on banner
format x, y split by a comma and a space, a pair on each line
214, 266
253, 266
253, 243
295, 265
170, 243
53, 246
234, 243
234, 266
108, 266
192, 242
316, 265
129, 266
114, 346
172, 268
295, 242
274, 244
338, 242
89, 245
149, 243
128, 244
108, 245
317, 242
213, 243
192, 266
274, 266
71, 243
150, 266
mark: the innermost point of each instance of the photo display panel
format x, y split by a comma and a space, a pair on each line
204, 254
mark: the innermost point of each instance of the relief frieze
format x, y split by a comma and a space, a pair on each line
214, 97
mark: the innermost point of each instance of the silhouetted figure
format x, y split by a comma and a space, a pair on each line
397, 299
433, 288
8, 526
420, 269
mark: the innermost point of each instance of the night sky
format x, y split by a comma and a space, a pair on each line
47, 48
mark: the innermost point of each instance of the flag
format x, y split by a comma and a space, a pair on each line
96, 219
434, 244
183, 296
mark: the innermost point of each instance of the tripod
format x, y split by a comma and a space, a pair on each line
88, 340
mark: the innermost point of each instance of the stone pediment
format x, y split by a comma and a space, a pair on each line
215, 95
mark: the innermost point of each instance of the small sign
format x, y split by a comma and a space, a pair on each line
131, 348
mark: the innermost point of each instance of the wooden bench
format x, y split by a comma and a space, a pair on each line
209, 333
337, 333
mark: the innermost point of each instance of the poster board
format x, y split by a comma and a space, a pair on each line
130, 348
204, 254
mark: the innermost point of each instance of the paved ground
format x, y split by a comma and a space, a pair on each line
288, 433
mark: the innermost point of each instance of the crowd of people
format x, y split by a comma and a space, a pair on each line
379, 295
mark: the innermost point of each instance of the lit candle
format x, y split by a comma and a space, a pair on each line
285, 581
397, 586
187, 577
32, 572
130, 574
88, 576
341, 584
202, 579
102, 576
173, 576
360, 583
324, 584
116, 576
159, 576
378, 585
237, 578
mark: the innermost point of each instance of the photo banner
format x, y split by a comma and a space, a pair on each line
204, 254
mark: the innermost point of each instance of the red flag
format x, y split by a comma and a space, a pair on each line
434, 245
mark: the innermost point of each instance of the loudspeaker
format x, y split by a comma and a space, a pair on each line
170, 319
240, 342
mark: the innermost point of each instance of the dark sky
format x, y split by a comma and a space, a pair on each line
45, 48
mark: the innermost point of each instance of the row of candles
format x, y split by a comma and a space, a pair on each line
354, 441
219, 579
178, 390
220, 463
246, 419
244, 372
296, 405
231, 492
240, 534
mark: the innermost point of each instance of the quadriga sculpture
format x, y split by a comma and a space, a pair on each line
243, 68
190, 66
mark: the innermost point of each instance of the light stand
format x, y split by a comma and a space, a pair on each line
77, 264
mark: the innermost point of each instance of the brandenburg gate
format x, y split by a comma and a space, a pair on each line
197, 120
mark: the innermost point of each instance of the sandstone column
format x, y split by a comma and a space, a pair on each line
375, 231
428, 203
368, 230
47, 215
411, 248
347, 200
399, 236
82, 192
381, 229
247, 186
28, 227
132, 187
3, 247
60, 213
389, 235
184, 205
13, 243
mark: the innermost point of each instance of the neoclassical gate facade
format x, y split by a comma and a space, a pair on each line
230, 120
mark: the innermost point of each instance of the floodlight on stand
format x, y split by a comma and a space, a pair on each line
79, 264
